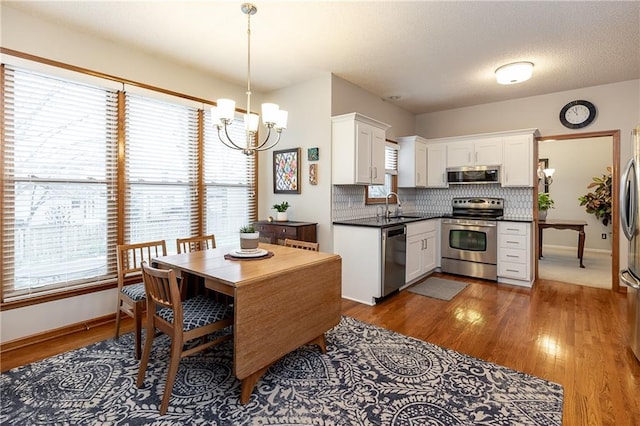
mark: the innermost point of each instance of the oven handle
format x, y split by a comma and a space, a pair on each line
479, 225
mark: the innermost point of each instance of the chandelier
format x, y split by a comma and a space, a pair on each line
273, 117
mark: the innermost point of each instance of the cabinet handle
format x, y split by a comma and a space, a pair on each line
511, 255
512, 229
375, 173
512, 270
512, 242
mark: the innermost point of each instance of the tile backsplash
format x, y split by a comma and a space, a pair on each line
348, 200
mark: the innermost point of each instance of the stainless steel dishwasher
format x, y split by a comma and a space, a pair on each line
394, 252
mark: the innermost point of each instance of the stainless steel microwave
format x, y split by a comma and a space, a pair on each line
473, 175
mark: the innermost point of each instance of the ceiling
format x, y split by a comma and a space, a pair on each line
433, 55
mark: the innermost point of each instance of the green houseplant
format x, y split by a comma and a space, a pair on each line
545, 202
281, 208
249, 238
598, 202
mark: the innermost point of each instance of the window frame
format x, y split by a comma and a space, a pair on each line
56, 68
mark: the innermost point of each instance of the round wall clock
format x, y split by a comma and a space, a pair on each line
577, 114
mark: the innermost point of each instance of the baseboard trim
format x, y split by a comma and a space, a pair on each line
58, 332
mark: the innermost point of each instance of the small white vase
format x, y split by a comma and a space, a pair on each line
542, 214
281, 216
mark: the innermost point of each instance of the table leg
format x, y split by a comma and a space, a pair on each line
581, 237
539, 243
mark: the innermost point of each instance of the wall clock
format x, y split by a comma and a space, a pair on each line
577, 114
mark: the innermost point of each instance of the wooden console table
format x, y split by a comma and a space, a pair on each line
575, 225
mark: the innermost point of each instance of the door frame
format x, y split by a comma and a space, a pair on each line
615, 206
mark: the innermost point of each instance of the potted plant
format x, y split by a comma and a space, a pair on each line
281, 208
598, 202
545, 202
249, 237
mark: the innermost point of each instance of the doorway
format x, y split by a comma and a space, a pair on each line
612, 139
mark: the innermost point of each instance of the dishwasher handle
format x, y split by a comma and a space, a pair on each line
392, 232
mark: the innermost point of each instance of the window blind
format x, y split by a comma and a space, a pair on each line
58, 195
161, 171
229, 182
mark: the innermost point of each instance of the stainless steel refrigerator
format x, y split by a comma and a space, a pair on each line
630, 221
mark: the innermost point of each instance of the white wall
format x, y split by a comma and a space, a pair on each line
309, 126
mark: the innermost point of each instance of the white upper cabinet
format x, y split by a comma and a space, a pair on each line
481, 152
517, 168
358, 148
412, 162
437, 165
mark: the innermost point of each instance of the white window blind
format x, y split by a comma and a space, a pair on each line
229, 179
58, 195
161, 171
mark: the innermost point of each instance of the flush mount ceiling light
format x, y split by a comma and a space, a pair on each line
516, 72
272, 116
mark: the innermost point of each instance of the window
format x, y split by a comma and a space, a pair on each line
58, 206
76, 180
376, 194
161, 171
229, 182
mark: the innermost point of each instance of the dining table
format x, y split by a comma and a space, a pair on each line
282, 300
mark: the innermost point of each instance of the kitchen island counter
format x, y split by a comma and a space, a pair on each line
381, 222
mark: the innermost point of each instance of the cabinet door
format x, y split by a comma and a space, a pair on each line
459, 154
414, 257
364, 154
377, 155
517, 167
421, 164
488, 152
436, 166
429, 252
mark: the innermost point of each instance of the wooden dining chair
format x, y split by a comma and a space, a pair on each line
203, 242
304, 245
131, 293
182, 321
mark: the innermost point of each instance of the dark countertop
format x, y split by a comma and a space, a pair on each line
381, 222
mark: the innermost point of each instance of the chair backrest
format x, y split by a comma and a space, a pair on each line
305, 245
162, 291
131, 256
204, 242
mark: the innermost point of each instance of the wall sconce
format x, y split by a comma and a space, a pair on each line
548, 176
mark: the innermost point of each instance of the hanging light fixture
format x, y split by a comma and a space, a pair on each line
272, 116
516, 72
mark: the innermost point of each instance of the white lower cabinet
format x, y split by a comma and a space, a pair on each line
359, 248
515, 253
422, 248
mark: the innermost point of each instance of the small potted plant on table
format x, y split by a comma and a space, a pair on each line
249, 238
281, 208
544, 203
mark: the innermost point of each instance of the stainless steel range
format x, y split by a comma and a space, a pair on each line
470, 237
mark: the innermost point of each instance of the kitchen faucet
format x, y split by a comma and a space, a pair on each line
387, 213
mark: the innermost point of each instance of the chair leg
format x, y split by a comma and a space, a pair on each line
118, 318
174, 362
137, 313
148, 343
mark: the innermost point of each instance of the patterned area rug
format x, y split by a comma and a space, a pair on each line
370, 376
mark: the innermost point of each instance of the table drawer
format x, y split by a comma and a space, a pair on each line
513, 241
513, 270
513, 255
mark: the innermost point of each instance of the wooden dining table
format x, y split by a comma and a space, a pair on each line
282, 301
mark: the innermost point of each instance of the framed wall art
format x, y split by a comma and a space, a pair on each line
286, 171
313, 154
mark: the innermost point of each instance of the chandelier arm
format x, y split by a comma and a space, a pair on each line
270, 146
265, 139
233, 145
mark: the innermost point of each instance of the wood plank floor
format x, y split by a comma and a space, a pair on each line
569, 334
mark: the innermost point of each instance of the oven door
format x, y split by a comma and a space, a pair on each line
473, 242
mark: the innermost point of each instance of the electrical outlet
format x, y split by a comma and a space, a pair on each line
603, 236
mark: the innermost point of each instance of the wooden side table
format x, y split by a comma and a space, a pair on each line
575, 225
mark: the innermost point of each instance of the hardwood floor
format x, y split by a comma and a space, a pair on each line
569, 334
